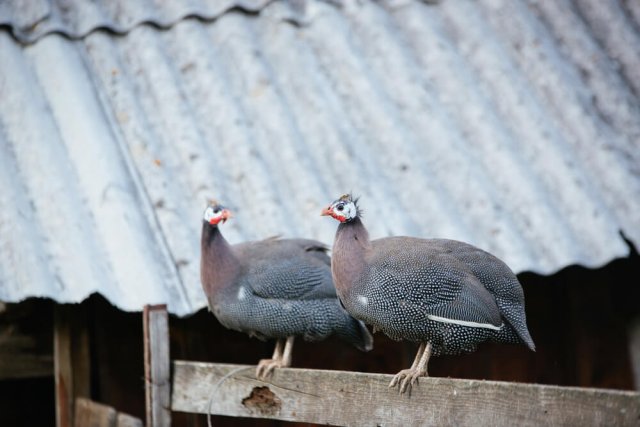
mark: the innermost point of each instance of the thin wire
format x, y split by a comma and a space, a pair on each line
217, 385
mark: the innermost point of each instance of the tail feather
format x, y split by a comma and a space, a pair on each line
513, 335
356, 333
519, 324
524, 335
367, 338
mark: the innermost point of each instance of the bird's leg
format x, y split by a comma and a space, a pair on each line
419, 371
400, 375
288, 351
265, 366
407, 377
281, 359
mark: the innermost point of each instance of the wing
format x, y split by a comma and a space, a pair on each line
289, 269
499, 280
431, 283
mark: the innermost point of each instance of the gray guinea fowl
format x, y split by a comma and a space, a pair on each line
446, 295
273, 288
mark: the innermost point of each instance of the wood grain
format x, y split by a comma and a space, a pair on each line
355, 399
125, 420
93, 414
71, 360
19, 356
157, 365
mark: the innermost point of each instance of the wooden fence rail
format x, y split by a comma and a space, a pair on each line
355, 399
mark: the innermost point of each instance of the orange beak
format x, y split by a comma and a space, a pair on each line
226, 214
326, 211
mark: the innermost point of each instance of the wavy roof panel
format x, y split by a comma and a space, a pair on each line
31, 20
513, 125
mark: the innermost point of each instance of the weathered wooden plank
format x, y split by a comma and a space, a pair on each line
634, 350
354, 399
125, 420
71, 361
81, 357
19, 357
157, 366
93, 414
26, 347
63, 368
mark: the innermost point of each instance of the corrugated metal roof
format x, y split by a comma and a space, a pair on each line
513, 125
31, 20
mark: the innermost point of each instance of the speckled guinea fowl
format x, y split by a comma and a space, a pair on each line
444, 294
273, 288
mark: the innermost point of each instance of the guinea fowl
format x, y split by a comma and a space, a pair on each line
446, 295
273, 288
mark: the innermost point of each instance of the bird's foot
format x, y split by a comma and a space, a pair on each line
266, 366
406, 378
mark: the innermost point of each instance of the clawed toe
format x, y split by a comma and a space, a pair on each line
265, 368
281, 359
408, 382
397, 378
406, 378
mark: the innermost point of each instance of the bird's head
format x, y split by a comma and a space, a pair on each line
215, 212
344, 209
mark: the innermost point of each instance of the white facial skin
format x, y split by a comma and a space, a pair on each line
214, 214
343, 210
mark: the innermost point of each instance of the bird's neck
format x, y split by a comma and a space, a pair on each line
219, 265
349, 251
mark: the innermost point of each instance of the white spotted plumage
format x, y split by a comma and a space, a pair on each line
444, 292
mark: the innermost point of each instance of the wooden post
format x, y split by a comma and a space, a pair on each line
634, 350
71, 360
157, 366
